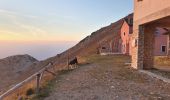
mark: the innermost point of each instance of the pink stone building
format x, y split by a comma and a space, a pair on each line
161, 42
117, 44
104, 48
126, 31
121, 43
125, 42
161, 39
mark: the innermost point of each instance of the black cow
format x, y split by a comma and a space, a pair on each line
73, 63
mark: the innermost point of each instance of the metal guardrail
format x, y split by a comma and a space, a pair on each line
25, 81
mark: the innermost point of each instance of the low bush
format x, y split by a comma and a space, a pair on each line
29, 92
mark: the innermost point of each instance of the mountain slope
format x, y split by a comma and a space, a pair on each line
90, 44
13, 68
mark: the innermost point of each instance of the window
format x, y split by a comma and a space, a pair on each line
139, 0
163, 49
156, 33
103, 47
124, 33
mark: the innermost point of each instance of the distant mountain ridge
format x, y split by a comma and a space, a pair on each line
17, 62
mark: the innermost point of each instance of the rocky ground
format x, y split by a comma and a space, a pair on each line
108, 78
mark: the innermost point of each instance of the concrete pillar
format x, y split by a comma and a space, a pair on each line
148, 57
142, 51
134, 48
140, 47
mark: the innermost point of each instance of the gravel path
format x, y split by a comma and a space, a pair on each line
108, 79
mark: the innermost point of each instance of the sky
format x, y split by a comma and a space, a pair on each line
54, 23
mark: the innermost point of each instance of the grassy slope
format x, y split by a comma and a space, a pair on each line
162, 61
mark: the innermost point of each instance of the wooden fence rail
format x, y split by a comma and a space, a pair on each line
37, 75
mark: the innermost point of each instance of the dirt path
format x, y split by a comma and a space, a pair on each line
107, 78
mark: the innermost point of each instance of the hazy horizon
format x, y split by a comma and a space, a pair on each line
39, 50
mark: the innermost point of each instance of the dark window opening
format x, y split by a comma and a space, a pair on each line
163, 48
103, 47
140, 0
157, 33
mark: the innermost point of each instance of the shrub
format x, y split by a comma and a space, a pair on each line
29, 92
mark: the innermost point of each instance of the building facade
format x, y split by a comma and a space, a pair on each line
105, 48
148, 14
126, 32
121, 42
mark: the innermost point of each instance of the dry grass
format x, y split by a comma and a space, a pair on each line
105, 73
45, 90
49, 86
116, 65
162, 61
108, 59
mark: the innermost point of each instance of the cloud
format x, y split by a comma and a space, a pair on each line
15, 19
35, 31
30, 28
13, 13
5, 32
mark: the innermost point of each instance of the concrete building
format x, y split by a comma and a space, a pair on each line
148, 14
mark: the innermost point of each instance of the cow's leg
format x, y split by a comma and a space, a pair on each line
75, 65
68, 67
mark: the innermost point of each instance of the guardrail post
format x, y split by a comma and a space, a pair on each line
38, 83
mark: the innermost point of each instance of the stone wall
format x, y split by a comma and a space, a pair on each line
148, 57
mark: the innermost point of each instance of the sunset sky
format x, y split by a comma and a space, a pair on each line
57, 20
